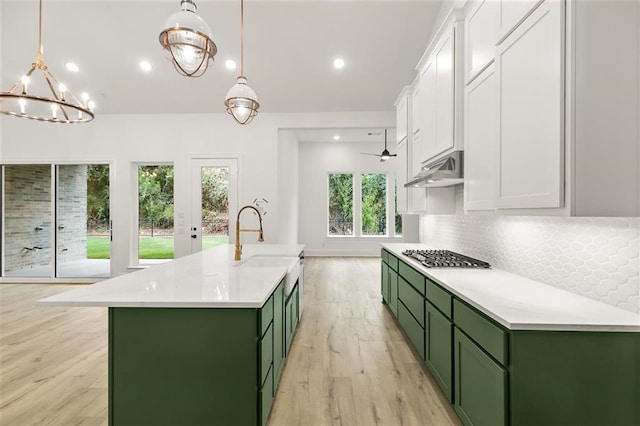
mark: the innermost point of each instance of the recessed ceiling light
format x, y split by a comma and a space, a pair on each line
230, 64
72, 67
145, 66
338, 63
336, 138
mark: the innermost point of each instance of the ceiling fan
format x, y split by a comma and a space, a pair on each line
385, 155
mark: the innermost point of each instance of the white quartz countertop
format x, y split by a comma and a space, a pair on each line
209, 279
520, 303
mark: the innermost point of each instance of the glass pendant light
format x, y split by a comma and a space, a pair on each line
38, 95
188, 41
242, 102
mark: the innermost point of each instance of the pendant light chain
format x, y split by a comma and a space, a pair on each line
39, 59
242, 37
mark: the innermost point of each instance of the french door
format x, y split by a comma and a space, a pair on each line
214, 201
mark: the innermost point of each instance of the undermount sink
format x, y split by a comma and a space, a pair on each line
291, 263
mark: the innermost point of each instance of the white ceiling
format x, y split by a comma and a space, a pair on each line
289, 49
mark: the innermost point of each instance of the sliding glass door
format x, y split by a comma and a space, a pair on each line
55, 221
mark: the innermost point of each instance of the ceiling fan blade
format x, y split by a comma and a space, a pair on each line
366, 153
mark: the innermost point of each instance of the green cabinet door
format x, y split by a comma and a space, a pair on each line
291, 318
480, 384
278, 333
384, 279
393, 292
439, 349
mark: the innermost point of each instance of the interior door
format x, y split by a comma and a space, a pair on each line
214, 201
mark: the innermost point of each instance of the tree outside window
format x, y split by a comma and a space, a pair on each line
374, 204
340, 204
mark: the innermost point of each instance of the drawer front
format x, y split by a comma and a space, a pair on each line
392, 261
488, 335
439, 298
266, 316
413, 277
412, 300
266, 398
412, 329
384, 255
266, 354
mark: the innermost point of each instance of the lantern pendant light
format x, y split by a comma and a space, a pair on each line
187, 41
38, 95
242, 102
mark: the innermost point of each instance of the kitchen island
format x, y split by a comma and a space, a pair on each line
199, 340
505, 349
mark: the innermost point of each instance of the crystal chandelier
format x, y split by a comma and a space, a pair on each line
188, 41
38, 95
242, 102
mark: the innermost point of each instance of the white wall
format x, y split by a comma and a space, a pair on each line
317, 160
288, 187
596, 257
125, 139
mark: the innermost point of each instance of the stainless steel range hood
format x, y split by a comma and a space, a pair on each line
445, 171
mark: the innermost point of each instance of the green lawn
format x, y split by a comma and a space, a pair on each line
150, 247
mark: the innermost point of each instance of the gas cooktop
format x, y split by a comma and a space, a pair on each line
445, 259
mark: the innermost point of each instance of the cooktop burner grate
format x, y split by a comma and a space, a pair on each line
445, 259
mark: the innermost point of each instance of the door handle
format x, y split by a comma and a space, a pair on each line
194, 236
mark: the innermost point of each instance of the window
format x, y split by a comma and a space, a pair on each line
374, 204
340, 204
360, 205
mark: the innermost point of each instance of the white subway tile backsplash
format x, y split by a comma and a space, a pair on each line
595, 257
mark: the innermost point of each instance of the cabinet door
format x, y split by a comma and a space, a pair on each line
429, 99
482, 29
402, 177
445, 95
416, 108
513, 12
482, 138
530, 66
480, 384
438, 354
278, 333
384, 279
288, 324
393, 292
402, 118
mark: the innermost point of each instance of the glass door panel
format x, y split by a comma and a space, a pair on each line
26, 221
83, 231
214, 193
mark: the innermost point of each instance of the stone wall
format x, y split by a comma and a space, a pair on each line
28, 234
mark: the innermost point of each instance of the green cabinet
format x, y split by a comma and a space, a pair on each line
480, 384
438, 349
393, 292
389, 281
278, 334
384, 281
494, 376
291, 318
179, 366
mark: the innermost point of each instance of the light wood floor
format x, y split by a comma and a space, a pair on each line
349, 363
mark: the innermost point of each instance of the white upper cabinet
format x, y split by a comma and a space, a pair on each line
402, 115
482, 139
605, 108
512, 12
401, 176
445, 95
481, 35
441, 91
429, 111
416, 106
530, 69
